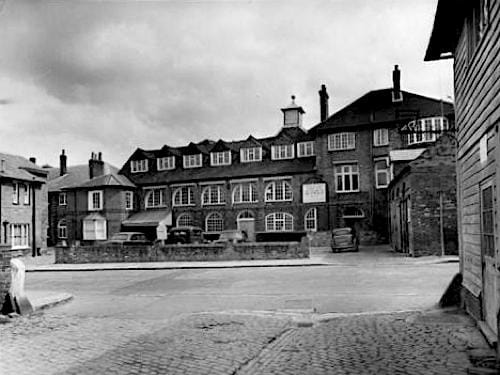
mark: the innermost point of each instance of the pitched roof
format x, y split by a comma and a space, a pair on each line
405, 155
236, 170
111, 179
76, 175
20, 168
377, 108
448, 23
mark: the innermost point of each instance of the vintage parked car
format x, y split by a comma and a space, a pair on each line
234, 236
185, 235
128, 238
344, 239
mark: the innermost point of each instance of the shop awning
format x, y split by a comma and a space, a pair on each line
148, 219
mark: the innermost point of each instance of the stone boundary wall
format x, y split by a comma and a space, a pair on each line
191, 252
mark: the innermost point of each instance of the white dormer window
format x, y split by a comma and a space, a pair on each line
220, 158
305, 149
192, 161
137, 166
280, 152
63, 199
250, 154
95, 200
166, 163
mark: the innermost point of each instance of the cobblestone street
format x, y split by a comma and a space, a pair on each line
400, 343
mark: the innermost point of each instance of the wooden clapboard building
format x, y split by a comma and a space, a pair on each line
469, 32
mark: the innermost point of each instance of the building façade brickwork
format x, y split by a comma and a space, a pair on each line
423, 204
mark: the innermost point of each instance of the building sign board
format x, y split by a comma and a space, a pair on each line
314, 193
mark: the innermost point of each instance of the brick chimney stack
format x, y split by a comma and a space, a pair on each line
63, 169
396, 82
33, 160
323, 103
96, 165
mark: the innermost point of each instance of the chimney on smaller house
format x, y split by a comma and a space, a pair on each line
62, 164
96, 165
396, 85
2, 165
323, 103
33, 160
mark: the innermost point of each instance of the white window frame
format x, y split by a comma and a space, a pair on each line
385, 171
19, 236
311, 216
423, 132
26, 195
137, 166
182, 216
165, 163
353, 171
94, 230
381, 137
192, 161
156, 201
220, 219
129, 200
239, 193
305, 149
62, 229
282, 152
342, 141
251, 154
213, 195
276, 191
220, 158
91, 201
63, 199
277, 222
181, 190
360, 215
15, 193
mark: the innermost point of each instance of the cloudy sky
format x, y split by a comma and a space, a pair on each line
115, 75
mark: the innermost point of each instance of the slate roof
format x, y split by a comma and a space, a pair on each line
111, 179
19, 168
75, 176
405, 155
236, 170
377, 108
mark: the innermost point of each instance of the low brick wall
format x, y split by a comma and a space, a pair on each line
5, 257
169, 253
320, 239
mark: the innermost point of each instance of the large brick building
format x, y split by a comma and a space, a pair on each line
256, 184
469, 32
335, 174
353, 152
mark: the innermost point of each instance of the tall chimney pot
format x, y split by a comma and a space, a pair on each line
33, 160
62, 163
396, 81
323, 103
96, 165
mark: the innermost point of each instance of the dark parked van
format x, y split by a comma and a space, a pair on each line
186, 235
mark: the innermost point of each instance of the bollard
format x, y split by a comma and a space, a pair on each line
19, 299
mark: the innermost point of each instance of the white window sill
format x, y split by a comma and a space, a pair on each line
347, 192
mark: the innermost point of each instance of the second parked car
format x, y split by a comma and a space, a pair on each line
344, 239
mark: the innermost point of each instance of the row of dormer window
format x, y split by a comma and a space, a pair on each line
221, 158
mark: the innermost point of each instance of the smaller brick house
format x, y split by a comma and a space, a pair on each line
88, 203
23, 203
422, 200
